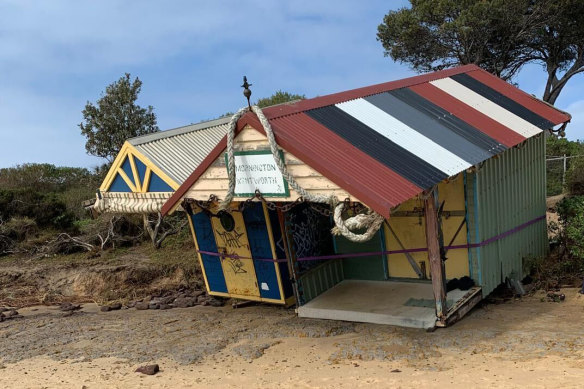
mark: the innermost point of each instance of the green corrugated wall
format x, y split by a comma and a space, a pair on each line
320, 279
505, 192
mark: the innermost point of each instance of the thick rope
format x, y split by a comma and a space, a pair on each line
372, 220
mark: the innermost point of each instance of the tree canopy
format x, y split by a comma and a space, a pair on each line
115, 118
279, 97
501, 36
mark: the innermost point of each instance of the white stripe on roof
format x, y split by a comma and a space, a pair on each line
487, 107
404, 136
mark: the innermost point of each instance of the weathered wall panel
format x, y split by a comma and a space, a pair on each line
508, 190
411, 232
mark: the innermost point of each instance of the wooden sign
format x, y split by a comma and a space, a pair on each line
257, 170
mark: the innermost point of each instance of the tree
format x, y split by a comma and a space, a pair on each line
115, 118
501, 36
279, 97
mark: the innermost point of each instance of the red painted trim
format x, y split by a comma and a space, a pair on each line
335, 98
475, 118
528, 101
330, 155
246, 119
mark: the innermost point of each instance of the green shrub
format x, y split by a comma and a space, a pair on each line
571, 215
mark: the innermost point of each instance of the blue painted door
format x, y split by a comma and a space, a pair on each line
259, 242
206, 242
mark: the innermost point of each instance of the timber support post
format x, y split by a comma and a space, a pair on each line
436, 264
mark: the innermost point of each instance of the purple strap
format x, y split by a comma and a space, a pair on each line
416, 250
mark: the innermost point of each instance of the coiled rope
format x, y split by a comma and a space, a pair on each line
371, 221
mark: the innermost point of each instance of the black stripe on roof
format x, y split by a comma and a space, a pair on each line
448, 120
398, 159
429, 127
502, 100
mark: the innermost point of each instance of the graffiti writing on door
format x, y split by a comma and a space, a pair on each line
232, 240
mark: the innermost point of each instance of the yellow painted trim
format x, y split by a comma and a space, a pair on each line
250, 298
127, 179
127, 150
146, 182
155, 169
290, 301
220, 294
274, 254
273, 301
198, 253
117, 163
135, 173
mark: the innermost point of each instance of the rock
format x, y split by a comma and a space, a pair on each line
141, 306
153, 305
166, 300
4, 309
184, 302
147, 299
165, 306
131, 304
201, 298
115, 306
215, 302
66, 307
148, 369
105, 308
1, 317
198, 293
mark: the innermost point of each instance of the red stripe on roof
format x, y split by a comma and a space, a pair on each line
335, 98
376, 185
528, 101
367, 179
475, 118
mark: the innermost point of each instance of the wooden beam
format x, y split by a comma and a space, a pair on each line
436, 265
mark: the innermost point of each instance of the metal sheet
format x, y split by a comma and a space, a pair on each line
405, 136
475, 118
448, 120
507, 192
178, 153
407, 113
543, 109
487, 107
502, 100
368, 165
344, 164
370, 142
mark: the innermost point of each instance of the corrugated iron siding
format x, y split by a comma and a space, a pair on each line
504, 193
180, 154
319, 280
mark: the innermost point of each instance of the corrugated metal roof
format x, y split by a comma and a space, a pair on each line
179, 151
386, 143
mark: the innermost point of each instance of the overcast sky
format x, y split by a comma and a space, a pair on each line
191, 56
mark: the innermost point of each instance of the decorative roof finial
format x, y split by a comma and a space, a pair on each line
246, 91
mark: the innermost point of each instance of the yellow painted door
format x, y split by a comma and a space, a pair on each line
239, 273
